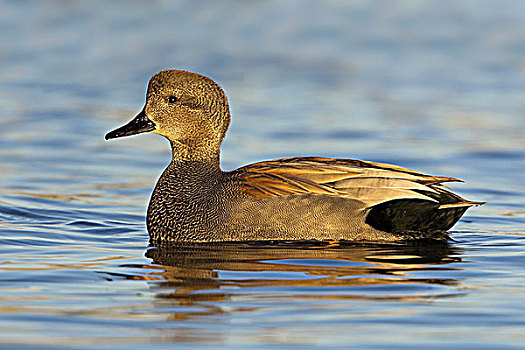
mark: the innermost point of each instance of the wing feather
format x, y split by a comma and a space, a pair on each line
370, 182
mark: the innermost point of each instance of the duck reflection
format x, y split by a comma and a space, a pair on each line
196, 274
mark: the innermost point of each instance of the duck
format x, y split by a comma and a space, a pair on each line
290, 199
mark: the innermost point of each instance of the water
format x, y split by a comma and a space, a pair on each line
435, 86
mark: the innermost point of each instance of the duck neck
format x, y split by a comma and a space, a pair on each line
205, 153
193, 165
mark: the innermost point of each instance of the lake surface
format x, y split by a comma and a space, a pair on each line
434, 86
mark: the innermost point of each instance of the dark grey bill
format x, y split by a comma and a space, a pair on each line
141, 123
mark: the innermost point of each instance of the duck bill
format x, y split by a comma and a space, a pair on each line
141, 123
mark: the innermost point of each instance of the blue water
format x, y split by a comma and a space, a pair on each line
435, 86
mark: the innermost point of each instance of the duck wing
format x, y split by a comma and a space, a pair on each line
369, 182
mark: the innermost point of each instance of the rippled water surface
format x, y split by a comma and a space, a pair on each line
435, 86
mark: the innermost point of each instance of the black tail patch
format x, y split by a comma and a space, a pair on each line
402, 216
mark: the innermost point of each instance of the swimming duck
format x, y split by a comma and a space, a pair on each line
299, 198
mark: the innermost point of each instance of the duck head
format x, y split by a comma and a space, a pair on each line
189, 109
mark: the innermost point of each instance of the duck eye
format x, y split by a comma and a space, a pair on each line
172, 99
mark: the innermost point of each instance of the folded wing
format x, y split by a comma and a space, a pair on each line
369, 182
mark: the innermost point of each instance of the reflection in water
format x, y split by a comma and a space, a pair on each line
185, 275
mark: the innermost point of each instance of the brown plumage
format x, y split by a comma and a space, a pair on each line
292, 198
